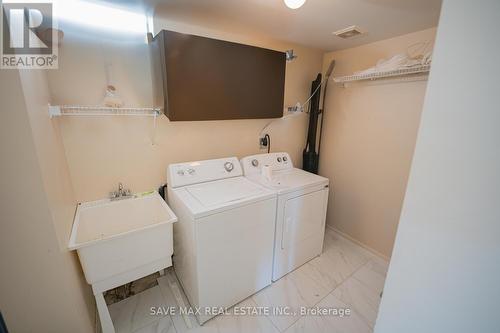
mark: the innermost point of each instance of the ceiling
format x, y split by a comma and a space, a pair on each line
311, 25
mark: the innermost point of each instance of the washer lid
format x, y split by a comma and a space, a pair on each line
224, 191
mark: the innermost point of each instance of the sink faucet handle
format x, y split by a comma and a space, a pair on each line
120, 189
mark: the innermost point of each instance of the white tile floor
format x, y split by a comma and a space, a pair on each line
344, 276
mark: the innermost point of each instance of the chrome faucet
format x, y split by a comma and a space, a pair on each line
121, 193
120, 189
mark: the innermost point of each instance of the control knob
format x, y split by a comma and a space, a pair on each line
228, 166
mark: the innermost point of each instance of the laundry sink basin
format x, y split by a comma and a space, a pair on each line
114, 237
121, 241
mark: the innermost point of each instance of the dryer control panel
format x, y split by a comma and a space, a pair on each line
188, 173
276, 161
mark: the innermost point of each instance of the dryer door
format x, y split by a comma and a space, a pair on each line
300, 228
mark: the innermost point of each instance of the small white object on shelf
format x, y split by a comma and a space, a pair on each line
80, 110
111, 98
384, 74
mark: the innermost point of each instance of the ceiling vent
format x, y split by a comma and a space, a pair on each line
349, 32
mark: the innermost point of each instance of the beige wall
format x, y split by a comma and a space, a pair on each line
56, 180
368, 141
50, 152
444, 273
41, 286
102, 151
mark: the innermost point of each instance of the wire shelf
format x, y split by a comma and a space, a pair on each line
80, 110
385, 74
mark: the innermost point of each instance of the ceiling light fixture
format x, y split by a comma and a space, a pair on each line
294, 4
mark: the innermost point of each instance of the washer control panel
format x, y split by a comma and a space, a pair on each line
182, 174
277, 161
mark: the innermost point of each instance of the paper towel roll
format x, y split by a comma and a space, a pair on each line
267, 172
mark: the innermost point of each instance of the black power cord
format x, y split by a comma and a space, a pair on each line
268, 141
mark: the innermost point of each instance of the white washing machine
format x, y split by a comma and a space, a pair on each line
301, 209
224, 237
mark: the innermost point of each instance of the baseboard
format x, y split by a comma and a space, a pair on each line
357, 242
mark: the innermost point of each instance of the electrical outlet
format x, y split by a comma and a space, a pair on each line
263, 142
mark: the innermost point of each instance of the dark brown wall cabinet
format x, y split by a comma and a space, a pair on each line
198, 78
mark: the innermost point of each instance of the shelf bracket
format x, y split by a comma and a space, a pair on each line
153, 137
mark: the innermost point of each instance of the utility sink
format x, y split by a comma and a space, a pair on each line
120, 241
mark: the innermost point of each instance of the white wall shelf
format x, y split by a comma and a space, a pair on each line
424, 69
80, 110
